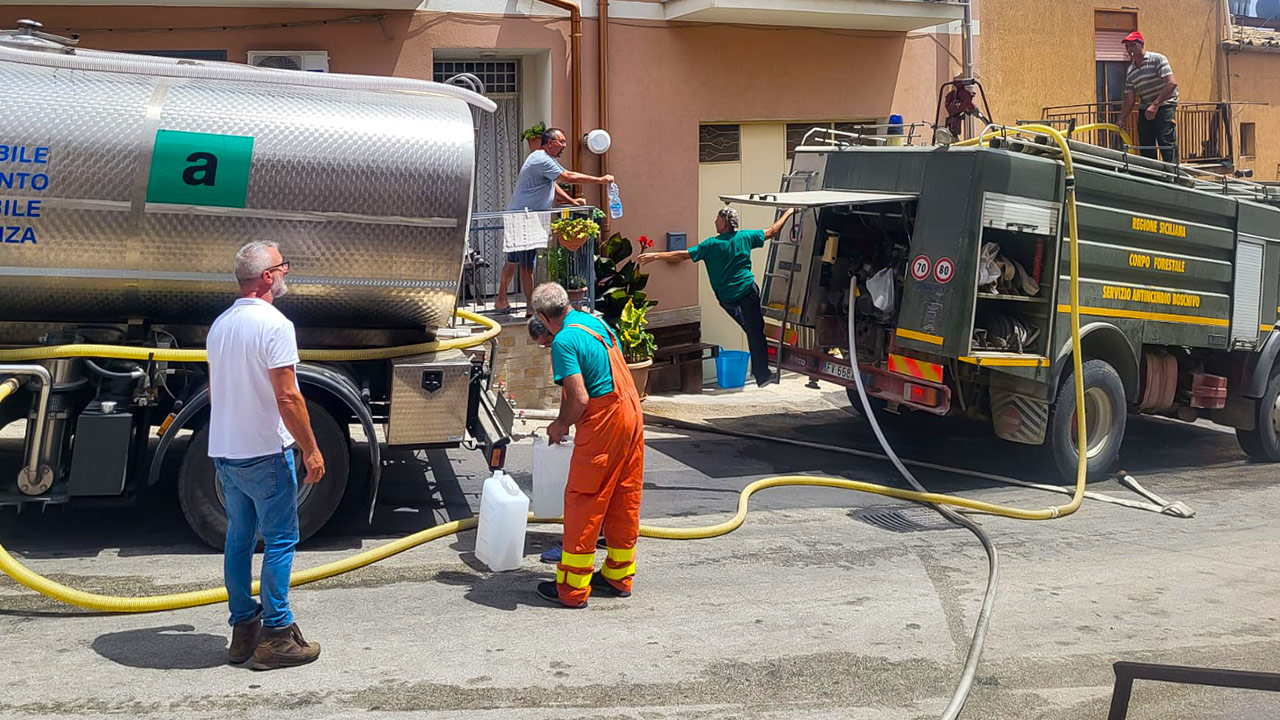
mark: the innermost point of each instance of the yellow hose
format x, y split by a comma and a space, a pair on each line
177, 601
122, 352
1124, 135
106, 603
8, 387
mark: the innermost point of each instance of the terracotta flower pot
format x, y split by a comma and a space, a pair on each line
569, 244
577, 295
535, 144
640, 376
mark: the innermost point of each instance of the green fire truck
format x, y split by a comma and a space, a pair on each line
954, 262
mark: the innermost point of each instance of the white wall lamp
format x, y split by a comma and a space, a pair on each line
597, 141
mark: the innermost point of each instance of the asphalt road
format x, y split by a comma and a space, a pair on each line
804, 612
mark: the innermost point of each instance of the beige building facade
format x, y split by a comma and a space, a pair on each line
701, 97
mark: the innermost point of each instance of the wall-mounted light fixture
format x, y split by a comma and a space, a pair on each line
597, 141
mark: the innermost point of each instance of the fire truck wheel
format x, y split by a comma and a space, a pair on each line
200, 493
1105, 415
1262, 443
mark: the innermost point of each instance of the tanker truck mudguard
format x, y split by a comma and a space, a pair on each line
128, 183
961, 302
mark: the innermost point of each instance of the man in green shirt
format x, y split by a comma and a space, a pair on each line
727, 255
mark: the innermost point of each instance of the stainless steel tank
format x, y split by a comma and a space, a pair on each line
127, 185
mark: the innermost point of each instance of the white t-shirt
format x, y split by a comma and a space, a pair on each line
246, 341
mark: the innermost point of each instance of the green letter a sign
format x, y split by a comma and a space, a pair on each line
200, 169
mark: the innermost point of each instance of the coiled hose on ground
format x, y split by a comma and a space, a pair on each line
93, 601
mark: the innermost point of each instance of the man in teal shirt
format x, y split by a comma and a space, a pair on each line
727, 255
566, 361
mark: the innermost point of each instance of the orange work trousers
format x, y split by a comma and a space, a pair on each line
606, 478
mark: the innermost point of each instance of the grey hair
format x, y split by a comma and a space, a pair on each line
537, 329
252, 259
730, 216
550, 134
550, 299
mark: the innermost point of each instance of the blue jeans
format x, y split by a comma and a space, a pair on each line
747, 313
261, 494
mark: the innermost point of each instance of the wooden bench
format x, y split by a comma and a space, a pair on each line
680, 348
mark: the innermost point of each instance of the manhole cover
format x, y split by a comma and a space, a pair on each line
902, 518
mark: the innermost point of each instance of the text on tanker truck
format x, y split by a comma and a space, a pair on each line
26, 179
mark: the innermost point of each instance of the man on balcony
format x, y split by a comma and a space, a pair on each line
536, 190
1150, 86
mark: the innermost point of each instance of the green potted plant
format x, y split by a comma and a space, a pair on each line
637, 343
559, 264
533, 136
618, 279
576, 286
573, 232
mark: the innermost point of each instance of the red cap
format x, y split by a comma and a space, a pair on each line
1135, 36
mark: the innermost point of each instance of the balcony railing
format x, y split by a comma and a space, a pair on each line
1204, 129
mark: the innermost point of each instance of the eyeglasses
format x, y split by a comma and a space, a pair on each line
282, 266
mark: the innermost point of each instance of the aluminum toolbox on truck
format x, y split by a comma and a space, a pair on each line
1178, 284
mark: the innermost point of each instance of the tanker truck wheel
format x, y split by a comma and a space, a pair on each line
1262, 443
200, 493
1105, 415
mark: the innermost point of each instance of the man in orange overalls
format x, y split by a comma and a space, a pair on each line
606, 474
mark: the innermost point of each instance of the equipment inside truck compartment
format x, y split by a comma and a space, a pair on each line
1014, 287
872, 242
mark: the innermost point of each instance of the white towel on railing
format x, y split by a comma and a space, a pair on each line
525, 231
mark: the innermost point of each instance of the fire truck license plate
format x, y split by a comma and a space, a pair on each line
838, 370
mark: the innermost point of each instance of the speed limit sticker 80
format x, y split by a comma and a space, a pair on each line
944, 270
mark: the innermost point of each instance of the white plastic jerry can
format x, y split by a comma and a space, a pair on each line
550, 476
504, 516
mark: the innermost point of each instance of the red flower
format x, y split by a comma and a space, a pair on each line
645, 243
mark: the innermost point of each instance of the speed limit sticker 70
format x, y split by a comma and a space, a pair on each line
920, 267
944, 270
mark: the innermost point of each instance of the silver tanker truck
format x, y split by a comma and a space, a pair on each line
127, 183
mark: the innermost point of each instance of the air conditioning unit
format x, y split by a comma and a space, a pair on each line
308, 60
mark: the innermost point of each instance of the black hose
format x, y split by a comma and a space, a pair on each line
135, 374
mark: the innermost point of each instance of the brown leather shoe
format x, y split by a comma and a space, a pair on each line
244, 638
284, 647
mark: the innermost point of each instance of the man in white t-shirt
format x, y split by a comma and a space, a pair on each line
257, 414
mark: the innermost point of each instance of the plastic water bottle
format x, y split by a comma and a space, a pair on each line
615, 201
550, 476
504, 517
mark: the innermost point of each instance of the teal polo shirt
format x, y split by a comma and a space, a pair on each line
728, 260
574, 352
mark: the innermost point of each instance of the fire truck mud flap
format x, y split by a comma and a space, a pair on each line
1019, 411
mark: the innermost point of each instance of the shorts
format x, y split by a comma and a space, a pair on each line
523, 258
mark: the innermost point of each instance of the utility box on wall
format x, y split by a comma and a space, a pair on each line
677, 241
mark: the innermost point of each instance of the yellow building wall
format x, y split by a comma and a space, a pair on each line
1034, 54
1255, 77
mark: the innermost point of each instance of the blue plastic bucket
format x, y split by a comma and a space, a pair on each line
731, 368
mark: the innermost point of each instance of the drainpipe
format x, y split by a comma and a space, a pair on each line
603, 10
966, 54
575, 71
